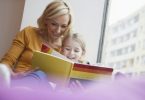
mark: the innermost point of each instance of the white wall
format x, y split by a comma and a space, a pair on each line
87, 20
10, 20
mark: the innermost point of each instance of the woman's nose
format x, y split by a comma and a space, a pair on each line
58, 29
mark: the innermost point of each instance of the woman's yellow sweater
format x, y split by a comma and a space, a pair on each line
20, 54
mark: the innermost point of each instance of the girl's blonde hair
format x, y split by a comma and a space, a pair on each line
54, 9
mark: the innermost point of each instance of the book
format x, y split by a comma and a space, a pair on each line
55, 67
58, 67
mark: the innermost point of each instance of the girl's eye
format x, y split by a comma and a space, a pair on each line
77, 51
68, 49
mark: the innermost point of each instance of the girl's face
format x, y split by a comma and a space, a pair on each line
72, 50
57, 26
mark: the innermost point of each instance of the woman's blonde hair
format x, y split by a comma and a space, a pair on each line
54, 9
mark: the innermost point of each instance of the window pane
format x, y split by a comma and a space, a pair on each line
124, 41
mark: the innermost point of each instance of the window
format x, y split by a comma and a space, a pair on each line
143, 60
125, 26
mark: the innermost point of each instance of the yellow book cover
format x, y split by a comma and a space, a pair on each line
55, 67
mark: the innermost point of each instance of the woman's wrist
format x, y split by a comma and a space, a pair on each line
5, 74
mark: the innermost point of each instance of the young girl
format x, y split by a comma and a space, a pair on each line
73, 48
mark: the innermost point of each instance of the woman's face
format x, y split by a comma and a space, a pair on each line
57, 26
72, 50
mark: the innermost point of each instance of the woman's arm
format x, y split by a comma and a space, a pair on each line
15, 51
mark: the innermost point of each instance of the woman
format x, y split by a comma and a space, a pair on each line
53, 25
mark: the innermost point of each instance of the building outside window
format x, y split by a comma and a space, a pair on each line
124, 36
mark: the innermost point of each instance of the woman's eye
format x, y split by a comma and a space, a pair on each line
64, 27
54, 24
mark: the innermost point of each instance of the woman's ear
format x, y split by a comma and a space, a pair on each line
45, 22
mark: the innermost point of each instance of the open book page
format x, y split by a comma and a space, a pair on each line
51, 51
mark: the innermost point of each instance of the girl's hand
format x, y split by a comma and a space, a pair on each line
76, 85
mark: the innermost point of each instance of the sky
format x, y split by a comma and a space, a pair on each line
121, 8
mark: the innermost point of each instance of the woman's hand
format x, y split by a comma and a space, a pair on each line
15, 75
5, 75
